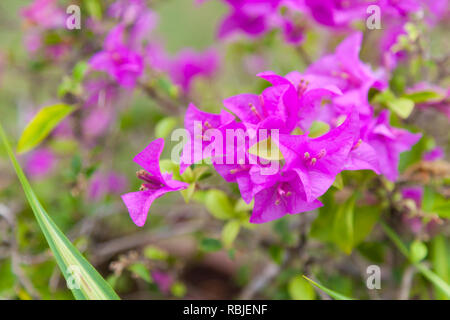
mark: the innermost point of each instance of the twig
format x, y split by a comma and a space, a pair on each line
267, 274
406, 284
103, 251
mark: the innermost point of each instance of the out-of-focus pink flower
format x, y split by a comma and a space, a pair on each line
344, 69
188, 65
435, 154
390, 55
119, 61
44, 13
33, 41
415, 222
39, 163
103, 184
163, 280
336, 13
98, 108
388, 143
127, 10
156, 57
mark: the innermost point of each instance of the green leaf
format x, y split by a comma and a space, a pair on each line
79, 71
423, 96
440, 258
277, 254
168, 87
438, 282
401, 106
230, 232
169, 166
219, 205
338, 182
94, 8
76, 269
318, 128
266, 150
343, 226
365, 218
210, 245
165, 126
301, 289
335, 295
154, 253
141, 271
418, 251
41, 126
188, 193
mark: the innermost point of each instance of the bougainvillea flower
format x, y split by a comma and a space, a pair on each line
163, 280
391, 55
336, 14
362, 156
45, 14
317, 161
155, 184
251, 17
251, 174
119, 61
286, 196
39, 163
388, 143
197, 123
303, 97
345, 70
188, 65
436, 153
127, 10
267, 110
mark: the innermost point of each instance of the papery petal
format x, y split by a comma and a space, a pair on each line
138, 204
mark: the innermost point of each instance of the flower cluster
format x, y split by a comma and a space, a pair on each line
332, 91
256, 17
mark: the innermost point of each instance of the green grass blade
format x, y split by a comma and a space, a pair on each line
88, 283
424, 270
335, 295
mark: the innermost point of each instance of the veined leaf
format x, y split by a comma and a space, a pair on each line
335, 295
42, 124
82, 278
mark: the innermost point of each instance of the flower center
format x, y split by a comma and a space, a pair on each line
302, 86
282, 193
257, 114
311, 161
151, 182
241, 168
356, 146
